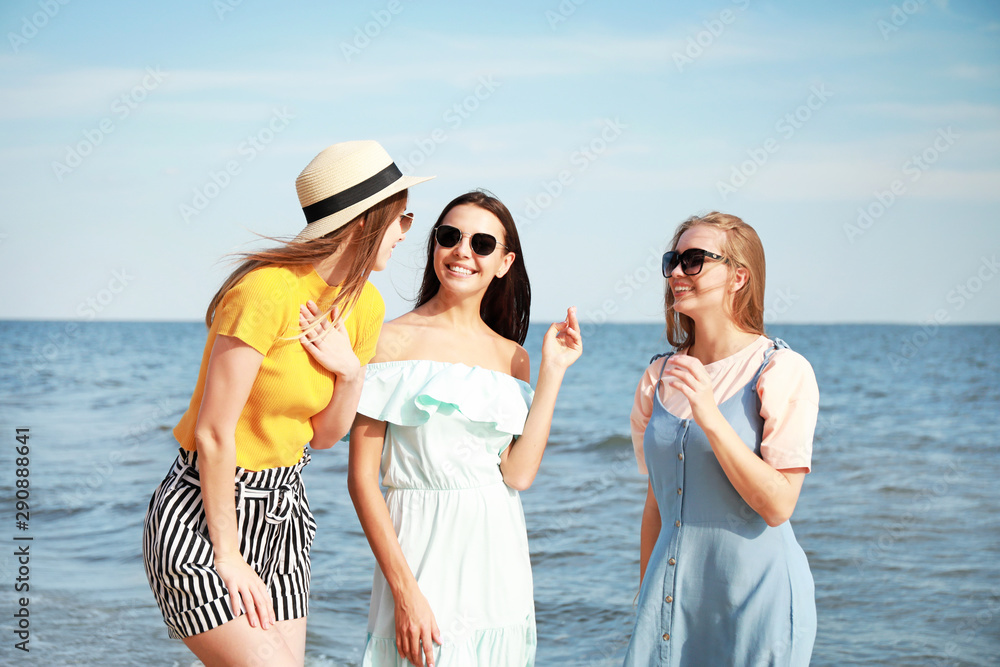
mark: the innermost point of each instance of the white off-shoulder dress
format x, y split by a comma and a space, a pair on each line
460, 527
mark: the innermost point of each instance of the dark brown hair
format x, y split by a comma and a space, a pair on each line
365, 239
742, 247
507, 302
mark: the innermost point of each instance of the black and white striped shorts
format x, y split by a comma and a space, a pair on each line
276, 531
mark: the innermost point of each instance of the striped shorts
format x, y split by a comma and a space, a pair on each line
276, 531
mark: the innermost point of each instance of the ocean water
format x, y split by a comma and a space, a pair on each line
899, 518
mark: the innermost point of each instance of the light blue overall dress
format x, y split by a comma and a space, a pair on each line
721, 587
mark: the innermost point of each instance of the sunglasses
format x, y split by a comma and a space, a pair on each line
691, 261
482, 244
405, 221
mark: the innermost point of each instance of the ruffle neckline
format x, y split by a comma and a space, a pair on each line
409, 392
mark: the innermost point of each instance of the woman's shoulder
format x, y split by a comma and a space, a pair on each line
789, 372
277, 281
520, 361
395, 340
656, 363
787, 360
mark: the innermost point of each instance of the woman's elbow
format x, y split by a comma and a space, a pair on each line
325, 437
208, 440
775, 516
319, 442
360, 486
519, 482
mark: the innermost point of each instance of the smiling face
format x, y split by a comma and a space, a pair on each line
712, 288
460, 269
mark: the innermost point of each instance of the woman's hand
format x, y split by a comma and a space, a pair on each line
328, 342
415, 625
691, 379
243, 583
563, 344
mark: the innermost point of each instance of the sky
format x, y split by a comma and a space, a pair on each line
143, 143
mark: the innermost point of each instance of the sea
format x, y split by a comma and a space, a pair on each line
899, 517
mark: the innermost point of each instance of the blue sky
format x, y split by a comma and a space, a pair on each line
143, 143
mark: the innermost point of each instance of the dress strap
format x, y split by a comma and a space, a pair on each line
665, 356
778, 344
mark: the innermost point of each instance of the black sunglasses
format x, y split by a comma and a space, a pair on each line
691, 261
482, 244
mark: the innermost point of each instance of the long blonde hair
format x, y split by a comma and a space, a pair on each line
742, 247
365, 240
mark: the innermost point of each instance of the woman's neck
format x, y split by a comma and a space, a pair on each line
718, 338
335, 268
457, 312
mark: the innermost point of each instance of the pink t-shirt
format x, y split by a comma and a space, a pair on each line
789, 401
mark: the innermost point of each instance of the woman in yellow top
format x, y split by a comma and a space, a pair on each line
227, 535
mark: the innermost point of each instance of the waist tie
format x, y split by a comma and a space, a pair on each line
280, 489
281, 501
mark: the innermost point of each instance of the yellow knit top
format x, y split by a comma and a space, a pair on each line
262, 310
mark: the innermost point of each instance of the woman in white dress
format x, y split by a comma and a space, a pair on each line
444, 416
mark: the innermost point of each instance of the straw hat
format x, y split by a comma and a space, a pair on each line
344, 181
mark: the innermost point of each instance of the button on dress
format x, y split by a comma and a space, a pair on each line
721, 586
460, 527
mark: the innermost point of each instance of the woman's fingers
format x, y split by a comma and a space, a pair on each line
402, 646
408, 644
265, 606
571, 319
428, 647
248, 603
415, 657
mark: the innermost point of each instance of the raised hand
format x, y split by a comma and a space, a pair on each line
688, 376
563, 343
328, 342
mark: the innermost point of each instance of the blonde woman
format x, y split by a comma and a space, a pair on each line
724, 426
228, 532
